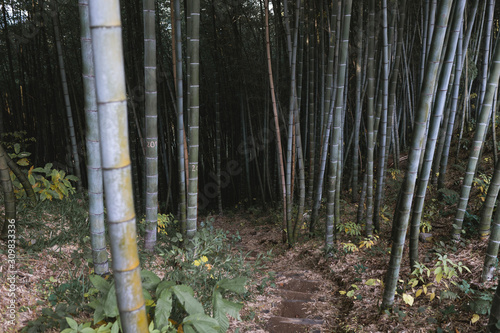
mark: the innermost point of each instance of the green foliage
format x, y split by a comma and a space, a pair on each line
350, 228
482, 183
445, 271
168, 302
351, 293
205, 261
10, 139
75, 328
450, 197
51, 319
47, 182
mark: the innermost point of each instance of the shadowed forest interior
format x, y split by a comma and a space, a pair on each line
221, 166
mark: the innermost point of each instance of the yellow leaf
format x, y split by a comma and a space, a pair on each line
418, 293
425, 289
475, 318
439, 277
408, 299
431, 296
23, 162
370, 282
342, 292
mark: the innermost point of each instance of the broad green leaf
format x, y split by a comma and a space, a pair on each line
63, 189
43, 196
185, 296
236, 285
149, 280
200, 322
164, 285
72, 323
116, 327
408, 299
17, 148
23, 154
111, 306
32, 180
350, 293
47, 168
231, 308
23, 162
88, 330
146, 295
71, 177
55, 194
39, 170
163, 309
100, 284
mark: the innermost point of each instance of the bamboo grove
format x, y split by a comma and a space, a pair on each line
301, 105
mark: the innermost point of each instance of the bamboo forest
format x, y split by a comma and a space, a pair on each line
281, 166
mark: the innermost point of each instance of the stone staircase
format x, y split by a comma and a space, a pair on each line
292, 315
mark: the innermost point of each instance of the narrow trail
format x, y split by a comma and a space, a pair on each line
299, 298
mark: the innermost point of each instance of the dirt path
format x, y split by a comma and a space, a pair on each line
299, 299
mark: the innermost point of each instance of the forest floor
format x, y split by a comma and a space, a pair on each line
360, 271
337, 293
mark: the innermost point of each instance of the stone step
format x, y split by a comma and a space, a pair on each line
295, 295
292, 325
303, 286
293, 308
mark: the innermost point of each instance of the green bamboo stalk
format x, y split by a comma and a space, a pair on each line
151, 101
67, 103
337, 132
105, 24
407, 189
94, 170
477, 143
370, 119
180, 116
433, 131
194, 118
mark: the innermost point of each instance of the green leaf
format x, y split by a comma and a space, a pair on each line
23, 162
222, 308
149, 280
201, 323
88, 330
31, 179
99, 313
185, 296
163, 309
100, 284
72, 323
164, 285
116, 327
236, 285
111, 306
73, 178
17, 148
